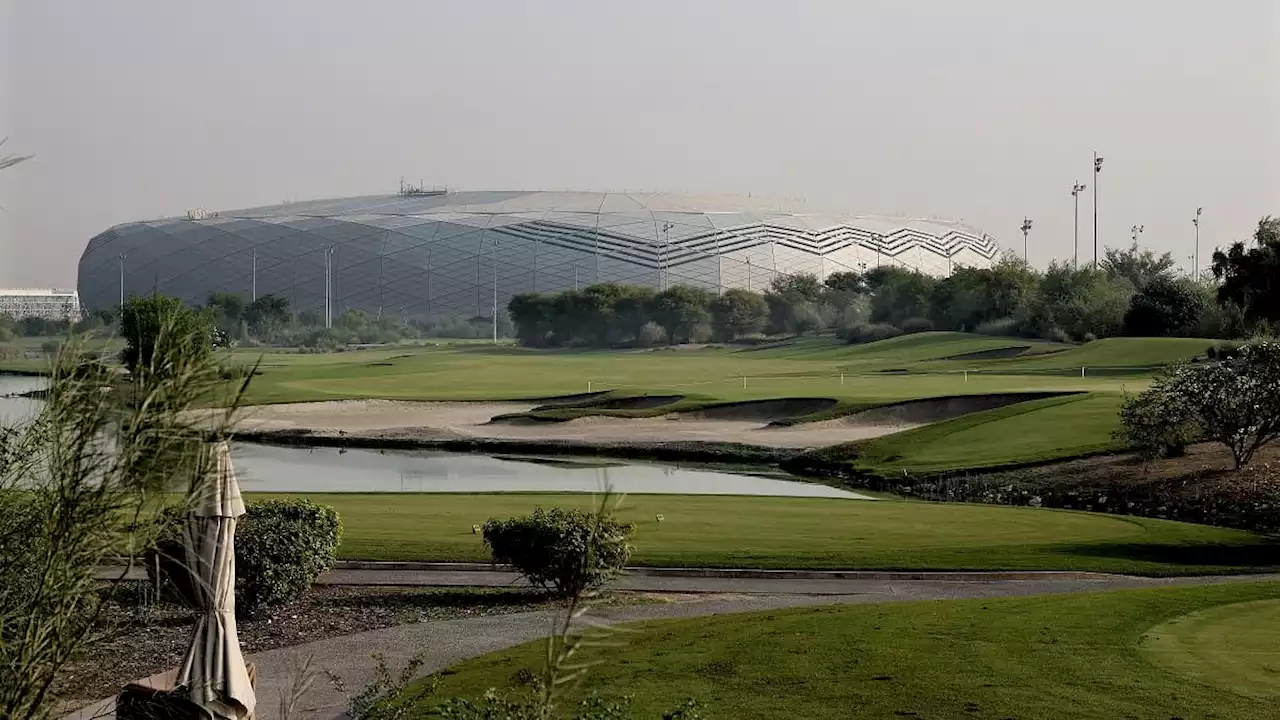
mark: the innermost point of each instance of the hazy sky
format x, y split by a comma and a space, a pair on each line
984, 110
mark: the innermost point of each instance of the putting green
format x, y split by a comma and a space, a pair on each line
1233, 647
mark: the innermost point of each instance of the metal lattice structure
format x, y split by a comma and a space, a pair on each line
433, 253
48, 304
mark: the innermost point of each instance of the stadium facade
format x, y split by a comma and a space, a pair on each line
423, 253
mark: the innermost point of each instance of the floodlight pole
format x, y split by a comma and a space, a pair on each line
254, 289
1076, 189
328, 286
1097, 168
493, 262
663, 272
121, 258
1195, 263
1135, 231
1026, 229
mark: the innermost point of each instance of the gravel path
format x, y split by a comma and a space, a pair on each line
452, 641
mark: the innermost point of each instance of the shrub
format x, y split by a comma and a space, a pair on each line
914, 325
51, 347
569, 551
1056, 334
1156, 424
651, 334
1089, 337
867, 332
282, 547
1002, 327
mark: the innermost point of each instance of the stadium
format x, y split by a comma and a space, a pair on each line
428, 253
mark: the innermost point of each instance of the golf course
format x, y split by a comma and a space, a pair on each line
1054, 401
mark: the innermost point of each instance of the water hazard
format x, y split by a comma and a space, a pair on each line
267, 468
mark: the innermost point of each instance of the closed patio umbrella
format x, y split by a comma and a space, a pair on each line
213, 673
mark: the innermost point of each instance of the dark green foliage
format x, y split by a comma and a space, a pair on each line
737, 313
1137, 266
568, 551
145, 318
1164, 307
867, 332
911, 326
282, 547
898, 294
680, 310
1250, 276
1157, 423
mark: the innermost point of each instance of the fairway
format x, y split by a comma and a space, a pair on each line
772, 532
814, 367
1232, 647
1047, 658
925, 365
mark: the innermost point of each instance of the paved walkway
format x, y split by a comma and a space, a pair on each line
451, 641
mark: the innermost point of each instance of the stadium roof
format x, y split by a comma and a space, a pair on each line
527, 202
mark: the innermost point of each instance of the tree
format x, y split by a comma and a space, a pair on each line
845, 281
103, 453
797, 303
143, 321
737, 313
1163, 308
1137, 265
898, 294
800, 286
680, 310
1250, 277
1234, 401
631, 312
267, 315
531, 315
1076, 302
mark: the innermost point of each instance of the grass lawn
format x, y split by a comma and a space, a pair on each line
1043, 658
1025, 432
717, 531
1234, 646
806, 368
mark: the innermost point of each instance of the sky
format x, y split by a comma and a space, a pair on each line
985, 111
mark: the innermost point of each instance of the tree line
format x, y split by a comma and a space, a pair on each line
1133, 291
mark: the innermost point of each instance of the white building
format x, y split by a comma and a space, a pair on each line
47, 303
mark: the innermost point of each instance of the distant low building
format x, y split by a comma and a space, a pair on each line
45, 303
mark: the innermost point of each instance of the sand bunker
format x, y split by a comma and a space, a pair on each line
454, 420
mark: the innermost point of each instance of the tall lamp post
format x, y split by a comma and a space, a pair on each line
1136, 230
121, 258
663, 281
1097, 168
1195, 263
1076, 189
328, 286
1026, 229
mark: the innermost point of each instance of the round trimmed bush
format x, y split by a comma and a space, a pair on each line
568, 551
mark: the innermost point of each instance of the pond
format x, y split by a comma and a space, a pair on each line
13, 409
267, 468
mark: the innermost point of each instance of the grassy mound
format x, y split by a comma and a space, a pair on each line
1025, 432
775, 532
1049, 658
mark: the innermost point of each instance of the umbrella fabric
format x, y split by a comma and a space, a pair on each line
213, 671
